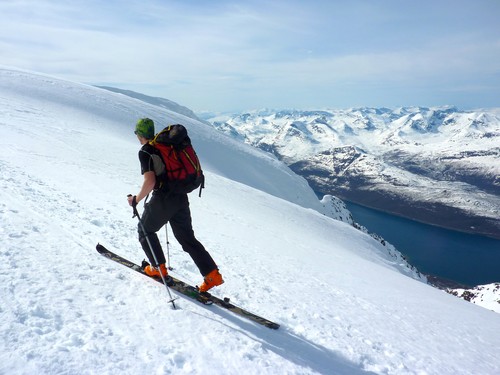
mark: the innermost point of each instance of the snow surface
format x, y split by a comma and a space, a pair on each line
68, 158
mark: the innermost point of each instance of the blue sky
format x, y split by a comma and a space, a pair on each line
234, 56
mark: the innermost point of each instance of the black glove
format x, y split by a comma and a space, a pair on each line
133, 204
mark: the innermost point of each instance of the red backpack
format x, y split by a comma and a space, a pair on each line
183, 170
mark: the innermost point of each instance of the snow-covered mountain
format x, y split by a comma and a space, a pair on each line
68, 158
486, 295
436, 165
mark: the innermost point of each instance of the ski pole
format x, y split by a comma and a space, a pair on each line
141, 225
168, 249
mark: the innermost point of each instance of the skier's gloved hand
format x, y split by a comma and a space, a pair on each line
132, 200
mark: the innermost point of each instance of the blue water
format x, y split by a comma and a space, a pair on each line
464, 258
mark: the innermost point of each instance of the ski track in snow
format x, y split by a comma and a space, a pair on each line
343, 303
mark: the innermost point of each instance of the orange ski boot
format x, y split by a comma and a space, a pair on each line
214, 278
155, 271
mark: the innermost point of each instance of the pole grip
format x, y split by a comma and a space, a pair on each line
134, 207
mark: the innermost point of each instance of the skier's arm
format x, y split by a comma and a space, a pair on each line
147, 186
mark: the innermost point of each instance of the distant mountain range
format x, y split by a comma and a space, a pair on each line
436, 165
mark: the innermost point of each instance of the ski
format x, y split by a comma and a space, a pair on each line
190, 291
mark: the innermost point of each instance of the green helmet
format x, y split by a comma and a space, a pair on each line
145, 127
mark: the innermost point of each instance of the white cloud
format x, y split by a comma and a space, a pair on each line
233, 53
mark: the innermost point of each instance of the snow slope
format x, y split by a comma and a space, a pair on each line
67, 160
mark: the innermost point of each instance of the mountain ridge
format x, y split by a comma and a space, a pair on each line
440, 161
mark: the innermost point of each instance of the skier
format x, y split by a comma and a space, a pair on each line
166, 206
